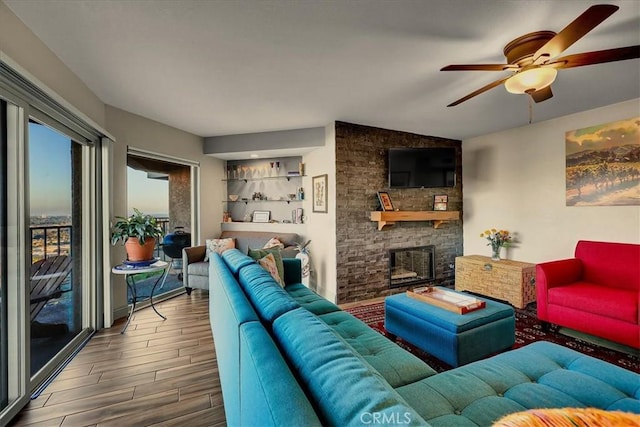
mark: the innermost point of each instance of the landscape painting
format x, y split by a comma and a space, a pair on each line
603, 164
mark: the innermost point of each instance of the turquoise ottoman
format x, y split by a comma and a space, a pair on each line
456, 339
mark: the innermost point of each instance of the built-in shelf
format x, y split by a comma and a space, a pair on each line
274, 227
391, 217
287, 177
261, 201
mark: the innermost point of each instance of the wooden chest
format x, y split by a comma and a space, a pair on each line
506, 280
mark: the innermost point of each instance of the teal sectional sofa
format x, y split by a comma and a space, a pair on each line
288, 357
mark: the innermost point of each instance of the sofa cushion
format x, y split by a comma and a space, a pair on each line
573, 416
235, 260
617, 303
610, 264
268, 262
217, 246
267, 297
257, 239
228, 309
344, 389
274, 242
310, 300
540, 375
396, 365
292, 271
270, 394
261, 253
226, 288
198, 269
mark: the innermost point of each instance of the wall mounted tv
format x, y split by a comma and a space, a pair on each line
422, 167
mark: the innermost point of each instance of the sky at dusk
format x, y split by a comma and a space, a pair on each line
49, 171
50, 178
151, 196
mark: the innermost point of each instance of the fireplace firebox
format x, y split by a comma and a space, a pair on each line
409, 266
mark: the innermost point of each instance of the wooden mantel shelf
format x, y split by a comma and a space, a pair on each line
391, 217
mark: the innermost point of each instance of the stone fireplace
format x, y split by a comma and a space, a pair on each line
410, 266
362, 250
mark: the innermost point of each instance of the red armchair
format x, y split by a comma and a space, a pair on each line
597, 292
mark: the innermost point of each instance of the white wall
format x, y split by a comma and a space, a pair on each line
141, 133
515, 180
321, 227
21, 45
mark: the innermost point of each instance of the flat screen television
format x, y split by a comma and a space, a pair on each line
422, 167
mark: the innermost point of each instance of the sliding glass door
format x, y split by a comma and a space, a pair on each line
4, 397
53, 237
162, 186
55, 229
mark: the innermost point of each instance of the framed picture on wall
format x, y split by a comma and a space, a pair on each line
319, 194
385, 201
440, 202
261, 216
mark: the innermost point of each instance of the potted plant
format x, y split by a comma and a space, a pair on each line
138, 233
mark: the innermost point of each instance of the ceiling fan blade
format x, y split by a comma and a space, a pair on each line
542, 94
596, 57
480, 67
573, 32
478, 92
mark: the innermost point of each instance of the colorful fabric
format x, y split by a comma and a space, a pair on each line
261, 253
274, 242
268, 262
218, 246
569, 417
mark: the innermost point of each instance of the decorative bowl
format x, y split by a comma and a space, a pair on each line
233, 197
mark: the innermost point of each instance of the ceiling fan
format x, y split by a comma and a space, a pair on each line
532, 57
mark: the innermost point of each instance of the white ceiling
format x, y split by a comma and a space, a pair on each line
230, 67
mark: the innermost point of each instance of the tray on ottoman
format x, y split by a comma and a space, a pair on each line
447, 299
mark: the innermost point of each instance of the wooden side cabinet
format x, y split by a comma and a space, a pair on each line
507, 280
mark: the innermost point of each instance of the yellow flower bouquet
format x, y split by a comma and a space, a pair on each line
497, 239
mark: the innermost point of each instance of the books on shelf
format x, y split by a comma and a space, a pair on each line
447, 299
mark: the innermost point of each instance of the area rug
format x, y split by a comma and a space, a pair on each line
528, 330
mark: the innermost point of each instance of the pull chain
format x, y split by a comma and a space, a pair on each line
530, 110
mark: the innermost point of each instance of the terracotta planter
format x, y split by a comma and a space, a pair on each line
135, 252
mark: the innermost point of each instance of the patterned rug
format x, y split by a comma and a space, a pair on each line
528, 330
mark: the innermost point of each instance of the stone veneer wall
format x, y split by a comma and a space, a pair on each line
362, 250
180, 198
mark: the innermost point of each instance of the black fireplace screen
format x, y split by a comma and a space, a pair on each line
410, 266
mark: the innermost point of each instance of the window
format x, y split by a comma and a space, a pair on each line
162, 187
53, 217
3, 258
55, 285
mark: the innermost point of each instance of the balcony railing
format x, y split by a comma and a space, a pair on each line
51, 240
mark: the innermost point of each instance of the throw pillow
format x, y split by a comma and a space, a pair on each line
218, 246
568, 417
274, 242
269, 263
261, 253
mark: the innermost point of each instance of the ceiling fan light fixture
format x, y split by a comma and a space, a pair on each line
530, 80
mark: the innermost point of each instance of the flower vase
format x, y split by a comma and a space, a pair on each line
495, 252
303, 256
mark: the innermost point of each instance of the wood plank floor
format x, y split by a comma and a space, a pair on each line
159, 373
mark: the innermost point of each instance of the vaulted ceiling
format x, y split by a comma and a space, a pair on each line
232, 67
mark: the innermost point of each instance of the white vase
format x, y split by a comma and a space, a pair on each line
304, 261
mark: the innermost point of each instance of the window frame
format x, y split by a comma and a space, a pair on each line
26, 97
